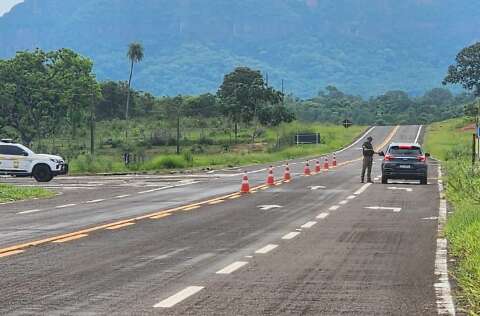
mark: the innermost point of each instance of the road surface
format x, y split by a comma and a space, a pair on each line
190, 245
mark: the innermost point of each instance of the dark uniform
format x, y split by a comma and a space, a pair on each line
368, 152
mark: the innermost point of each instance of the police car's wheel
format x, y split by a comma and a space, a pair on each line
42, 173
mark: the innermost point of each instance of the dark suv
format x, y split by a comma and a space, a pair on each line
404, 161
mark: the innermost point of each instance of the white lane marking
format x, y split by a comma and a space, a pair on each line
66, 205
394, 209
148, 191
268, 207
249, 257
445, 304
322, 215
334, 208
180, 296
308, 224
358, 140
232, 267
351, 197
432, 218
343, 202
266, 249
362, 189
95, 201
122, 196
397, 188
169, 187
316, 187
418, 134
290, 235
29, 212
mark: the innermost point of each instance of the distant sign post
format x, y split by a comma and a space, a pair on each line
310, 138
347, 123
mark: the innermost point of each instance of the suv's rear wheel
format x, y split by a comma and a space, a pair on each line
384, 180
42, 173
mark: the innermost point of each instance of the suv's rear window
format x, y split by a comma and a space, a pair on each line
405, 151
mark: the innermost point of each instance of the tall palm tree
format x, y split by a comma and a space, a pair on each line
135, 54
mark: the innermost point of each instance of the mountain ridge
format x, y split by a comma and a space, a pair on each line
364, 47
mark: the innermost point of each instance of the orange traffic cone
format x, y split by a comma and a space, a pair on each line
270, 178
306, 170
318, 168
286, 175
334, 162
325, 164
245, 185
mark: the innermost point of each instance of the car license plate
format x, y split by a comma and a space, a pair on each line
405, 166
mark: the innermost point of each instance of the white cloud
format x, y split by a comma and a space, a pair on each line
6, 5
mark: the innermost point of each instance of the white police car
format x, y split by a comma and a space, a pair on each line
18, 160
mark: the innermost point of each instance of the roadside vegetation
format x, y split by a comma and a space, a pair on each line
10, 193
214, 151
450, 141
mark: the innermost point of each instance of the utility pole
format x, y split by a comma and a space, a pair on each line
178, 131
92, 125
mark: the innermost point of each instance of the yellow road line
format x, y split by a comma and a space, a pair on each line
216, 202
161, 216
234, 197
11, 253
119, 226
70, 238
191, 208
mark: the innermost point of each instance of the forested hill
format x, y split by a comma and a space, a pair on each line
361, 46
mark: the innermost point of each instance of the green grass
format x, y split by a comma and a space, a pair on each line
448, 142
10, 193
334, 137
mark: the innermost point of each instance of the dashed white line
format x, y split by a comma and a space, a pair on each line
95, 201
362, 189
323, 215
29, 212
232, 267
290, 235
308, 224
334, 208
351, 197
66, 205
180, 296
343, 202
266, 249
122, 196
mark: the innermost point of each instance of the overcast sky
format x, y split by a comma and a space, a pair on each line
6, 5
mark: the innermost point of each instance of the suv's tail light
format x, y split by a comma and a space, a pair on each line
388, 157
422, 158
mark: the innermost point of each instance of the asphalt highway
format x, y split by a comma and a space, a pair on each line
190, 245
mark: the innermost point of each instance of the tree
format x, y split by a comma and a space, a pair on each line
175, 110
135, 54
466, 71
243, 94
42, 92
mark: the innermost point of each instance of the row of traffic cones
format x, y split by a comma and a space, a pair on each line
286, 175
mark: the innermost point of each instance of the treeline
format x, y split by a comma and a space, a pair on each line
392, 107
48, 94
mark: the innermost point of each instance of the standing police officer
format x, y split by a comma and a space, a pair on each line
368, 153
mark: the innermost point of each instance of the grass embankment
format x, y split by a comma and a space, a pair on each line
450, 142
10, 193
213, 156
